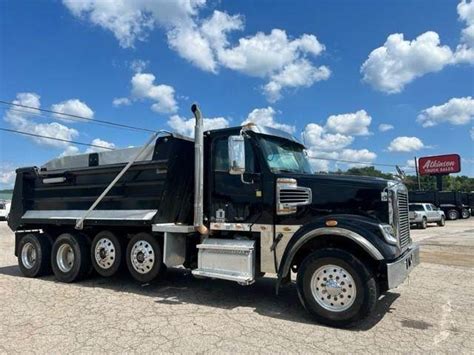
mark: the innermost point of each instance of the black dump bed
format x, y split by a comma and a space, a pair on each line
438, 198
424, 197
158, 188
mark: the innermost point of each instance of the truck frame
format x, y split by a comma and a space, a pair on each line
233, 204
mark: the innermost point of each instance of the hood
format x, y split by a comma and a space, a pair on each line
341, 194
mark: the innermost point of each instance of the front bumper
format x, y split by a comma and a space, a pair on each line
398, 270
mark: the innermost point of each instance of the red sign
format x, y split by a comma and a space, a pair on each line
439, 165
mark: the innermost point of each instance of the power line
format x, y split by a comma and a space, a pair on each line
41, 115
54, 138
86, 119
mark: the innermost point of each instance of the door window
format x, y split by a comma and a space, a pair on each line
221, 156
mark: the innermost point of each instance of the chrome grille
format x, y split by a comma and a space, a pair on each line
289, 196
298, 196
403, 219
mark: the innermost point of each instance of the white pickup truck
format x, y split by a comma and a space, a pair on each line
4, 210
423, 213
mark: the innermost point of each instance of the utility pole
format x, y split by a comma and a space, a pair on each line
417, 174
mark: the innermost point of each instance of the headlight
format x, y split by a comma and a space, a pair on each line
388, 233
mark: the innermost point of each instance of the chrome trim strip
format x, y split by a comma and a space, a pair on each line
127, 215
357, 238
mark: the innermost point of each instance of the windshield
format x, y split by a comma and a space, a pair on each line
416, 208
285, 156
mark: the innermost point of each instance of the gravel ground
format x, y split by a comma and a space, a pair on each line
432, 311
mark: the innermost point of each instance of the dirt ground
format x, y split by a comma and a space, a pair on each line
433, 311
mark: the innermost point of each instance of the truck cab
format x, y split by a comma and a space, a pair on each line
257, 210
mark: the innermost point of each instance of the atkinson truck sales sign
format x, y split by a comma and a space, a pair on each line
439, 165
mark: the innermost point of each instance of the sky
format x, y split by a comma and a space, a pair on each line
367, 81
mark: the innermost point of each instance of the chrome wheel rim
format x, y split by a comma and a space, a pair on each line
65, 258
104, 253
28, 255
142, 256
333, 288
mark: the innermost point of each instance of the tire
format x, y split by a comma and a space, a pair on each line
354, 286
442, 222
465, 213
70, 257
453, 214
424, 223
144, 257
106, 253
34, 253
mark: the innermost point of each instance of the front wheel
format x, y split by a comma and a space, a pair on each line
336, 288
442, 222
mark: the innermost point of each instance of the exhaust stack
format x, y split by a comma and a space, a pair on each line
199, 172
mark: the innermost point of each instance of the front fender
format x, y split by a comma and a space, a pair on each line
362, 230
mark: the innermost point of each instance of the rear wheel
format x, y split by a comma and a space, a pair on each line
442, 222
336, 288
144, 257
465, 213
453, 214
34, 252
106, 253
70, 257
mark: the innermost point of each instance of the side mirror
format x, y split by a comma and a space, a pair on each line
236, 155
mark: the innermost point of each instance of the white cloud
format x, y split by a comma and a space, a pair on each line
138, 65
282, 61
398, 62
131, 21
192, 46
143, 87
21, 120
297, 74
7, 174
186, 126
318, 162
465, 50
362, 155
457, 111
384, 127
317, 139
70, 150
410, 163
266, 117
355, 124
72, 107
100, 143
121, 101
405, 144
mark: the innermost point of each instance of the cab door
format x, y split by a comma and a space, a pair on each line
233, 200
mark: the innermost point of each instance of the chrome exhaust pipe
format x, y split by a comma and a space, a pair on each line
199, 172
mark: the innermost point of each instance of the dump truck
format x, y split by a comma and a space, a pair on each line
453, 203
234, 204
